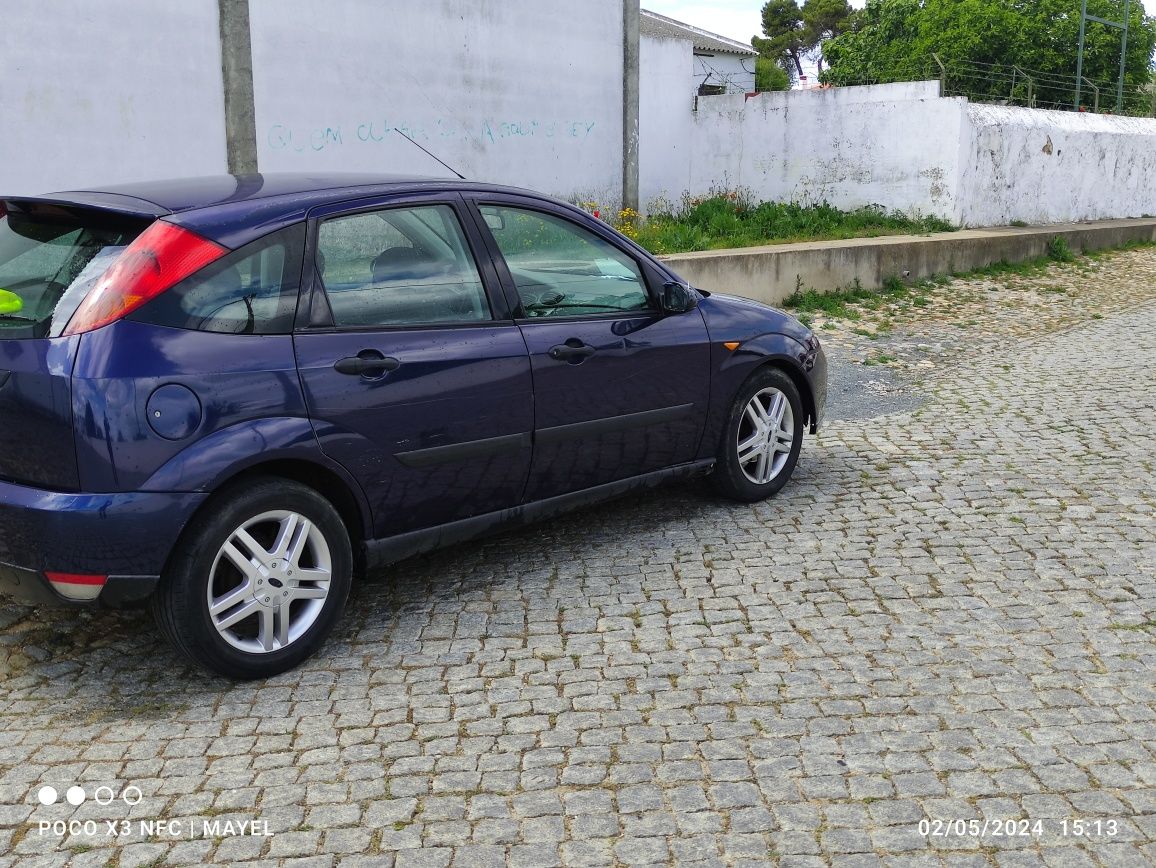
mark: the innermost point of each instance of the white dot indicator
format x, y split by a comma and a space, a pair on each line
75, 795
47, 795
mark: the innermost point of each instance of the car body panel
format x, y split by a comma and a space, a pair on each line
454, 387
230, 379
634, 406
477, 427
36, 439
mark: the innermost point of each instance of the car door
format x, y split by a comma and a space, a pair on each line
620, 388
416, 378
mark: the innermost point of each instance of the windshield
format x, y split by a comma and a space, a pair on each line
50, 257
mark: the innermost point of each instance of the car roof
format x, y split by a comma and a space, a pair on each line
233, 209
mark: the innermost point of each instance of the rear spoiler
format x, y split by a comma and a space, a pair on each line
114, 203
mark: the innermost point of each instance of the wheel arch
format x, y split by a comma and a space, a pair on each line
791, 369
323, 480
354, 512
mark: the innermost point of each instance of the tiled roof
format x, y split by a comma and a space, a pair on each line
653, 24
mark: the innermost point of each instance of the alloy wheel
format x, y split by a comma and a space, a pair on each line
765, 436
269, 582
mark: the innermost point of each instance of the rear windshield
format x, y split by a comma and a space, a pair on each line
50, 257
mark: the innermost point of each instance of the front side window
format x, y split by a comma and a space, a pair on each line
561, 269
400, 267
251, 291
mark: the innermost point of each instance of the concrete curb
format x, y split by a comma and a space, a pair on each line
772, 273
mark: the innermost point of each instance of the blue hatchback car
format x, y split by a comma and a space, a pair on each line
228, 396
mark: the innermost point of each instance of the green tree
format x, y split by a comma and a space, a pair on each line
979, 41
770, 76
792, 34
782, 39
824, 20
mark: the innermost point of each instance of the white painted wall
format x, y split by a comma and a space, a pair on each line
903, 147
525, 92
894, 145
732, 71
96, 93
665, 104
1051, 166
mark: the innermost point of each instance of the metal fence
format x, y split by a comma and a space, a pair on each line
1005, 84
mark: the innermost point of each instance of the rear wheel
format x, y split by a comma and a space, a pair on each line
257, 581
763, 437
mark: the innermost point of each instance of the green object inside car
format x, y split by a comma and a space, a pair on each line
10, 302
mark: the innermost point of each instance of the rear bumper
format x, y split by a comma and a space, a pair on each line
100, 549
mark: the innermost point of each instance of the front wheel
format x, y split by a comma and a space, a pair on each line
764, 434
257, 581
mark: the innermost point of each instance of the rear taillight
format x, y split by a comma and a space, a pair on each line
161, 256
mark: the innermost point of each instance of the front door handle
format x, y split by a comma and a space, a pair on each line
367, 363
573, 351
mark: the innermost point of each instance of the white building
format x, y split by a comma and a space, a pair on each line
718, 64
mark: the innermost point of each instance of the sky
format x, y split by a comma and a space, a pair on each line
738, 19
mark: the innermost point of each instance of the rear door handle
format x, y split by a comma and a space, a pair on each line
573, 351
367, 363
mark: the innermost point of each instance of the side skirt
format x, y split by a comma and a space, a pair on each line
381, 552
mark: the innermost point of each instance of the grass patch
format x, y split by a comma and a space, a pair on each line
732, 218
835, 304
1143, 625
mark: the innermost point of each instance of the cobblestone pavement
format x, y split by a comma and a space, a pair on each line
950, 615
891, 347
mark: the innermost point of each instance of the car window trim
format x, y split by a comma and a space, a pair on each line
477, 199
316, 316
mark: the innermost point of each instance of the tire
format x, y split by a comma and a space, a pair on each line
749, 480
247, 547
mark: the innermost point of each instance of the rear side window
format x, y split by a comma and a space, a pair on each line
50, 257
400, 267
251, 291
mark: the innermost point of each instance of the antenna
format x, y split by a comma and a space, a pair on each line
443, 162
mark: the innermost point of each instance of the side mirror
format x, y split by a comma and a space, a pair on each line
677, 297
496, 222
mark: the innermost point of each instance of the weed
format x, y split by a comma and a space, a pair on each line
1059, 251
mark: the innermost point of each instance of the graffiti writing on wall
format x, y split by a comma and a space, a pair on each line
283, 137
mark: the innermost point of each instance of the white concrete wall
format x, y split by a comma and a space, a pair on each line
96, 93
903, 147
526, 92
1050, 166
732, 71
665, 103
893, 145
